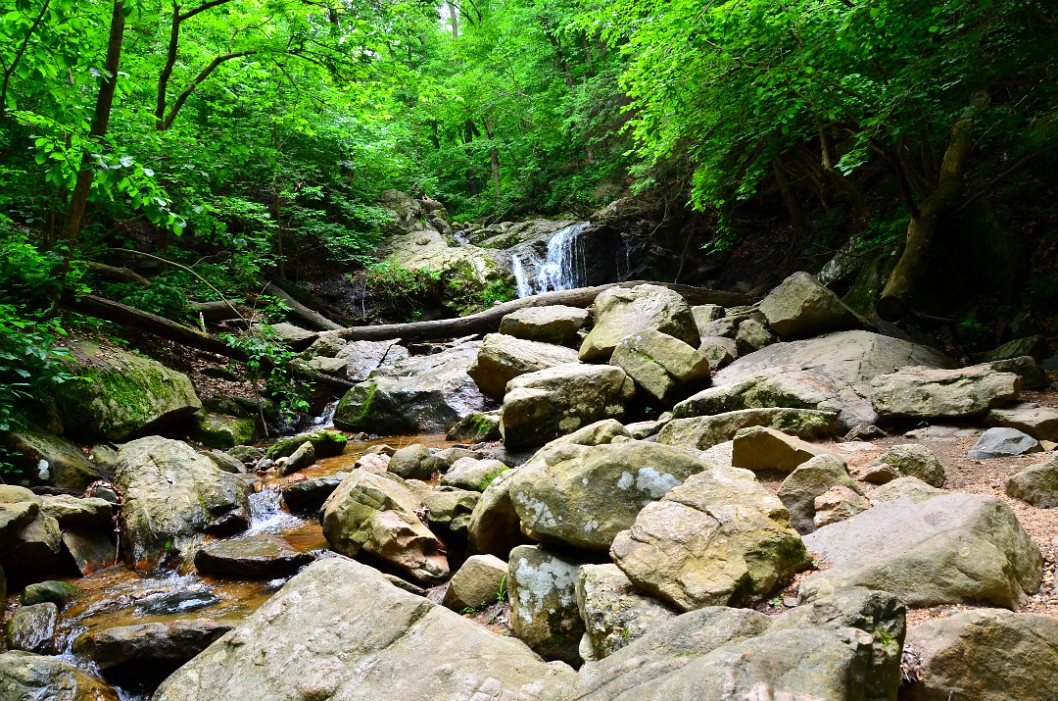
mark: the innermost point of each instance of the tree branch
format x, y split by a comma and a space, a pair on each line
203, 74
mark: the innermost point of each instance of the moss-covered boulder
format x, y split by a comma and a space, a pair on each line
222, 431
43, 458
325, 441
25, 676
127, 396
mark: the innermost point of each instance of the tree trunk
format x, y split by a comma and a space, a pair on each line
494, 159
453, 18
895, 301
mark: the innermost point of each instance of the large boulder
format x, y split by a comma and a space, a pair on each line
623, 311
717, 540
614, 612
471, 473
325, 442
550, 324
482, 580
222, 431
950, 549
419, 394
1040, 422
171, 493
763, 448
926, 393
549, 403
908, 460
704, 432
376, 515
365, 357
663, 366
800, 307
339, 630
494, 526
1037, 485
44, 458
544, 613
37, 549
18, 508
25, 676
984, 655
32, 628
128, 395
584, 495
503, 358
813, 479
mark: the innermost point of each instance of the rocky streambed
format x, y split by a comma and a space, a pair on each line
649, 501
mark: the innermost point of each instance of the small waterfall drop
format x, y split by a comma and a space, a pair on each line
563, 268
267, 514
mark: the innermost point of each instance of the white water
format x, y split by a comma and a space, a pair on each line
563, 268
266, 513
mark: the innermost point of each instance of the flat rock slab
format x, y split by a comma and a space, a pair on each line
172, 642
763, 448
339, 630
251, 557
552, 324
951, 549
704, 432
926, 393
1040, 422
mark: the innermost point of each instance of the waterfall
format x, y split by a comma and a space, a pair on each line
563, 267
267, 514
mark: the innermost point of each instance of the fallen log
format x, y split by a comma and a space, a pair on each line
314, 320
489, 320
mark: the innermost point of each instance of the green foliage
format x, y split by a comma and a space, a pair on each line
272, 364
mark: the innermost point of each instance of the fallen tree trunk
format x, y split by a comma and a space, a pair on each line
314, 320
489, 320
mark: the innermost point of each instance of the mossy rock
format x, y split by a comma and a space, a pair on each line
127, 395
326, 442
220, 431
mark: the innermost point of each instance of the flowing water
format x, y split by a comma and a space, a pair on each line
562, 268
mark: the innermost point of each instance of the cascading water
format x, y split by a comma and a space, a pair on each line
563, 267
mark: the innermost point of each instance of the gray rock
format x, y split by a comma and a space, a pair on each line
165, 644
225, 462
172, 492
482, 580
752, 335
910, 488
90, 549
951, 549
18, 508
469, 473
704, 314
614, 612
718, 350
544, 613
325, 441
703, 432
37, 548
375, 514
1037, 485
450, 508
25, 676
598, 433
494, 526
584, 495
1032, 346
415, 461
308, 495
663, 366
544, 405
128, 394
814, 478
449, 456
621, 312
551, 324
72, 511
418, 394
800, 308
837, 504
503, 358
44, 458
283, 332
922, 393
364, 357
763, 448
301, 458
477, 427
340, 630
251, 557
984, 655
718, 539
908, 460
53, 591
1003, 442
1032, 374
32, 628
1040, 422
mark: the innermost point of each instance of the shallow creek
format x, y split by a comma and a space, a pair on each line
119, 596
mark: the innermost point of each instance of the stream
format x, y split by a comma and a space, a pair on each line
119, 596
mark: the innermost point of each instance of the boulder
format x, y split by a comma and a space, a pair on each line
72, 511
503, 358
598, 433
172, 492
90, 549
32, 628
494, 527
308, 495
221, 431
551, 324
763, 448
1040, 422
477, 427
128, 395
907, 460
623, 311
801, 308
469, 473
301, 458
52, 591
910, 488
1032, 374
704, 314
544, 613
664, 367
18, 508
546, 404
418, 394
984, 655
703, 432
44, 458
837, 504
256, 556
924, 393
1003, 442
25, 676
449, 456
373, 514
150, 647
340, 630
950, 549
752, 335
373, 462
718, 350
225, 461
450, 508
482, 580
365, 357
719, 539
37, 549
584, 495
287, 334
1037, 485
326, 442
614, 612
415, 461
1033, 346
